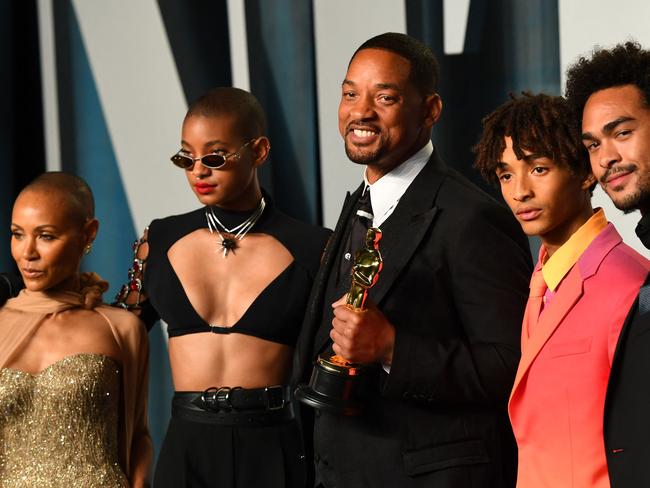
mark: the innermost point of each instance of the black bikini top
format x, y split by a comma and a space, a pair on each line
275, 315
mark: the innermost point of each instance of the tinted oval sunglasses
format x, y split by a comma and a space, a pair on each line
211, 161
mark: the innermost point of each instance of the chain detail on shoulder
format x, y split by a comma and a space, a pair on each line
130, 295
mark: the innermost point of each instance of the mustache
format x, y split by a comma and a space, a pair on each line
619, 168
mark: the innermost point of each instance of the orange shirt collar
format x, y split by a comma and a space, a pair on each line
555, 268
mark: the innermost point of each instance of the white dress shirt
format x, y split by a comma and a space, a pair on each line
386, 192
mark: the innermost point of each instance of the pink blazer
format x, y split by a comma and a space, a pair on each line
557, 401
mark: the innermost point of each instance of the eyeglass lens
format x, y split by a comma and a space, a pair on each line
212, 161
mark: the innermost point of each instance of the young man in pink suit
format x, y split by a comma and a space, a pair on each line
584, 283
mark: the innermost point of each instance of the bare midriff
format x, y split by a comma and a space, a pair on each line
221, 290
204, 360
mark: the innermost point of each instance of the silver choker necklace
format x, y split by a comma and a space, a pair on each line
238, 232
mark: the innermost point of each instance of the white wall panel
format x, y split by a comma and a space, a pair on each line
142, 100
49, 86
455, 15
238, 44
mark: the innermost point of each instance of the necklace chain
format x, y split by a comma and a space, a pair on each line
238, 232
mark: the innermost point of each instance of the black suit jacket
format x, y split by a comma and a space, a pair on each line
627, 405
454, 285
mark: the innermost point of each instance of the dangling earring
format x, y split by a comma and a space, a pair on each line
88, 248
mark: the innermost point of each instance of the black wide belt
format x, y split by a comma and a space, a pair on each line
235, 406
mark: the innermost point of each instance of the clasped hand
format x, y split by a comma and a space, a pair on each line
362, 336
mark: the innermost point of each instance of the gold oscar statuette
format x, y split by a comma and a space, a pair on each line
336, 384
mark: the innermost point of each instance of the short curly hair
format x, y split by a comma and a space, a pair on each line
625, 64
541, 124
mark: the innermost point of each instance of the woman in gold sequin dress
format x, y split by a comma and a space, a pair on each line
73, 372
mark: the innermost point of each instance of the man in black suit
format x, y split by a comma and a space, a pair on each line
610, 93
443, 319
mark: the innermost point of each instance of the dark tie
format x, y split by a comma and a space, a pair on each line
644, 300
361, 222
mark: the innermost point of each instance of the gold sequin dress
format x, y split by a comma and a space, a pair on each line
59, 428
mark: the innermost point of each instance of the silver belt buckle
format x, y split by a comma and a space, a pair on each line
214, 397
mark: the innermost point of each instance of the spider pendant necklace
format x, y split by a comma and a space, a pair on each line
237, 233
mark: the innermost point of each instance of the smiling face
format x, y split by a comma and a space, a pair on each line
546, 198
234, 186
382, 117
616, 132
48, 239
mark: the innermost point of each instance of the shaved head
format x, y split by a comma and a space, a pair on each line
52, 225
72, 189
235, 103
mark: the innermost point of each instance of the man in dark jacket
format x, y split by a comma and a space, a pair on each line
610, 93
443, 321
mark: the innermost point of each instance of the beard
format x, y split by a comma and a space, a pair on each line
362, 155
639, 199
636, 200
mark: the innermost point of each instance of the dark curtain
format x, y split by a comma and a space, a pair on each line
510, 46
21, 115
282, 73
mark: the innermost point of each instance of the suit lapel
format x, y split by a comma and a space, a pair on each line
571, 291
554, 313
401, 233
305, 346
400, 238
330, 259
335, 242
549, 321
404, 230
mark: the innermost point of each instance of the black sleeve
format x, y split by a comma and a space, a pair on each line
148, 314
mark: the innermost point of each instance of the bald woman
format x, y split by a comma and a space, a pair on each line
73, 372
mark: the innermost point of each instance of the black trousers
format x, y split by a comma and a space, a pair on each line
200, 455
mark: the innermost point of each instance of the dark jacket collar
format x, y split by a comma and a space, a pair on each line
643, 230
